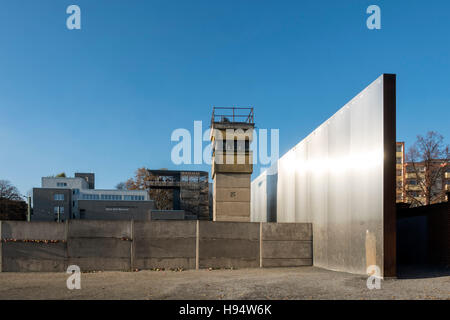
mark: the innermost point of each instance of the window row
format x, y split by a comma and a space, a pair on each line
112, 197
58, 197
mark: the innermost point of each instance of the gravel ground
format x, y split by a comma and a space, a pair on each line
277, 283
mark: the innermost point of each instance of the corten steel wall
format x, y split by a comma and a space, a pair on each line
130, 245
341, 178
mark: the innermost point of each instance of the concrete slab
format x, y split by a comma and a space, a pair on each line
225, 180
287, 231
165, 248
11, 264
233, 194
228, 230
101, 264
223, 262
165, 229
98, 247
33, 257
268, 263
32, 250
167, 215
24, 230
99, 229
166, 263
287, 249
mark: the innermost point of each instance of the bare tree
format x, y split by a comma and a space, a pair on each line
8, 191
163, 198
121, 186
427, 161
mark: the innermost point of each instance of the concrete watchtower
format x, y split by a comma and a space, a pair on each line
232, 162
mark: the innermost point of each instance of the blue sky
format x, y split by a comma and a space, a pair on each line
106, 98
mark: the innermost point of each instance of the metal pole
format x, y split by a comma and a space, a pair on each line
29, 209
58, 213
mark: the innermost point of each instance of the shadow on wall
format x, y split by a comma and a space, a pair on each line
423, 241
421, 271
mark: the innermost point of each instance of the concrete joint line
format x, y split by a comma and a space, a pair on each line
197, 244
260, 245
132, 244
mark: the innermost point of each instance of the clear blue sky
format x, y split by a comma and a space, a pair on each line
106, 98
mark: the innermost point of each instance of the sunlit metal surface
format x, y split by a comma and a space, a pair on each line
334, 179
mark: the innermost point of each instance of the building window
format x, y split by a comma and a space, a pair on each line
399, 148
90, 196
399, 160
58, 196
134, 198
61, 210
61, 184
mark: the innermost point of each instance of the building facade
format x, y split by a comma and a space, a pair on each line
400, 172
410, 177
61, 199
190, 198
416, 174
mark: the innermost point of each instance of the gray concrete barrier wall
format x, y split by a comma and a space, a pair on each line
164, 244
129, 245
286, 244
28, 247
99, 245
228, 244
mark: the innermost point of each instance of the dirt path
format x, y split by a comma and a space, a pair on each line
277, 283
